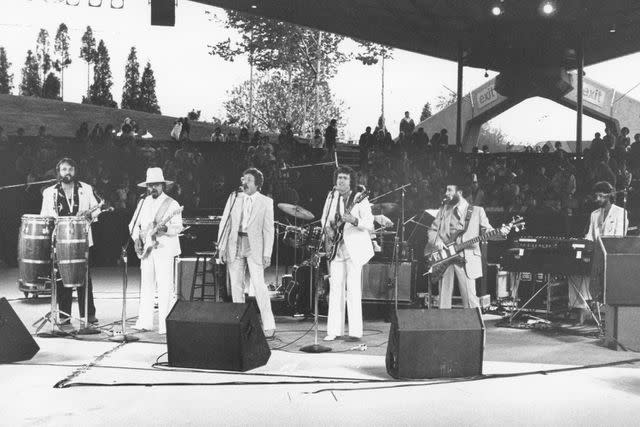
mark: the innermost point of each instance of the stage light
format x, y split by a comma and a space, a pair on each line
117, 4
486, 73
73, 2
95, 3
496, 10
612, 29
254, 6
548, 8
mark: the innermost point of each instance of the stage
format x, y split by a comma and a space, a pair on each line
531, 377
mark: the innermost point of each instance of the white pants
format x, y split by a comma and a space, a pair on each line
581, 284
236, 269
344, 272
157, 269
467, 287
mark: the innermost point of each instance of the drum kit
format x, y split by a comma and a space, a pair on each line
54, 250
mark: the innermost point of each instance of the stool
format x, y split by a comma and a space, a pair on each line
201, 271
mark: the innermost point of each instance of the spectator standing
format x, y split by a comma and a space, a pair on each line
331, 136
217, 135
365, 144
406, 127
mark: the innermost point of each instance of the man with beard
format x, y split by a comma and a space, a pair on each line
157, 266
458, 221
608, 220
245, 240
69, 197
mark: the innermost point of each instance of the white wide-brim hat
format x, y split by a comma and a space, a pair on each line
154, 176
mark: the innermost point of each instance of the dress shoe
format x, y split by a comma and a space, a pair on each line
93, 320
330, 338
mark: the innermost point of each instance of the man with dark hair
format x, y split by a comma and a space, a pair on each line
70, 197
245, 240
608, 220
365, 143
331, 137
353, 251
458, 221
406, 127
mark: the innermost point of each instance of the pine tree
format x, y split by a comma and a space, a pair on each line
31, 84
131, 90
100, 90
51, 87
43, 52
88, 52
6, 79
148, 100
426, 112
61, 50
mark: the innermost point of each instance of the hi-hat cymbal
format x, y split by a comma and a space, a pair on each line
296, 211
384, 208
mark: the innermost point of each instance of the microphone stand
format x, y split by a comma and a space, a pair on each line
27, 184
122, 336
224, 230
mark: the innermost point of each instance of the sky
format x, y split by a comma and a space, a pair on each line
187, 77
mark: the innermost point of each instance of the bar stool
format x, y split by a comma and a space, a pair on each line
201, 271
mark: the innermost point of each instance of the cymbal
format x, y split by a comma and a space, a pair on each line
384, 208
296, 211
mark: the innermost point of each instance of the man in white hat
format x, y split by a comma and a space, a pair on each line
157, 266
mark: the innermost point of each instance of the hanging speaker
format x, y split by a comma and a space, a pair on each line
16, 343
163, 12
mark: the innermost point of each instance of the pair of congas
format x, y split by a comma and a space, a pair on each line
43, 240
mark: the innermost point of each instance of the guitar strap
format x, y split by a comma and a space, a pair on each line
164, 207
467, 219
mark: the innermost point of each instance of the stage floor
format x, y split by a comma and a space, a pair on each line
105, 383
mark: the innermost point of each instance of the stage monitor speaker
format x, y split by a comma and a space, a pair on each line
216, 335
436, 344
163, 12
617, 267
16, 343
378, 282
621, 327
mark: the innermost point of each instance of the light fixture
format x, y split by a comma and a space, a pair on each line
612, 29
117, 4
486, 72
496, 10
548, 8
254, 6
73, 2
95, 3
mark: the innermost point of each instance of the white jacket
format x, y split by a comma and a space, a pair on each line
168, 243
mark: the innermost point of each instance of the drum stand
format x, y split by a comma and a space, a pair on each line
86, 328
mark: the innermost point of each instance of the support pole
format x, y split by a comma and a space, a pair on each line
459, 98
580, 72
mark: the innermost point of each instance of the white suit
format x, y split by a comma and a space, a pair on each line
157, 267
346, 269
248, 251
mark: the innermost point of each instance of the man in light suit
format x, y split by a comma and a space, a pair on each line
354, 251
245, 239
70, 197
608, 220
449, 226
157, 267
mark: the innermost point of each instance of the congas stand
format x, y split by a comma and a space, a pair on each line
86, 328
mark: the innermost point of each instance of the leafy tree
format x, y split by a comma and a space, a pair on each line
61, 51
43, 52
371, 54
31, 84
492, 137
51, 87
131, 90
443, 101
6, 78
148, 100
88, 51
194, 115
426, 112
100, 90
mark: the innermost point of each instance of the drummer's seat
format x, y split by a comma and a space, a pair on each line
203, 270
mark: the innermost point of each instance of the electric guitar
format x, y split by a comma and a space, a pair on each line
334, 237
437, 260
148, 239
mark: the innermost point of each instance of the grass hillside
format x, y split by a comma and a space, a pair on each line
64, 118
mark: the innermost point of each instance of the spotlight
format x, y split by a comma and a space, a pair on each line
548, 8
497, 10
117, 4
254, 6
73, 2
95, 3
612, 29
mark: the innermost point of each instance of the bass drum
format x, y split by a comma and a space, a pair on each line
34, 254
72, 248
298, 293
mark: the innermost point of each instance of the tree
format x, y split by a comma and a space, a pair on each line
6, 78
43, 52
426, 112
194, 115
100, 90
131, 90
61, 51
51, 87
88, 51
492, 137
148, 101
370, 54
31, 84
443, 101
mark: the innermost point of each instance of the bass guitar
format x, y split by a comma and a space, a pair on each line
335, 234
437, 260
148, 240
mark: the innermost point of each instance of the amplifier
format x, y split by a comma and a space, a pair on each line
200, 235
183, 270
378, 282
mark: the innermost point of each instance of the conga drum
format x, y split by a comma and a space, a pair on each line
34, 252
72, 245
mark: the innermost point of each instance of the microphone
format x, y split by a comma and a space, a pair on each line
143, 196
335, 156
284, 168
239, 190
444, 200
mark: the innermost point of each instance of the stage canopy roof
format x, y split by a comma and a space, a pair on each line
522, 36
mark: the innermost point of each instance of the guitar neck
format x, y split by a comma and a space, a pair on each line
480, 238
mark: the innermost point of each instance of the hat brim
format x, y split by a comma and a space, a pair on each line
144, 184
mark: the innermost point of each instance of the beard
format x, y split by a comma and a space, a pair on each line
67, 179
453, 201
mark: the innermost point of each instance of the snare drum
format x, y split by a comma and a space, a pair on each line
34, 252
72, 248
313, 241
295, 236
